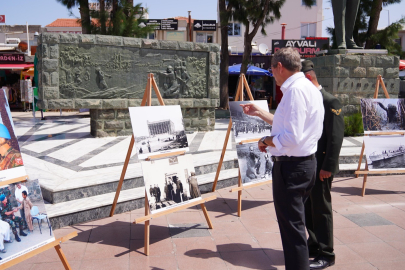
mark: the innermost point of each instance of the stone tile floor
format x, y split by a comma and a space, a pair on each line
369, 234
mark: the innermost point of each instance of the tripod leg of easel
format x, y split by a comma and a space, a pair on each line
124, 170
207, 217
360, 159
363, 191
239, 196
221, 160
62, 257
147, 227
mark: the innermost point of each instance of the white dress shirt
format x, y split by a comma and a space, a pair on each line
298, 120
18, 192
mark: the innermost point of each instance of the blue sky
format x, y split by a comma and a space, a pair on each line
44, 12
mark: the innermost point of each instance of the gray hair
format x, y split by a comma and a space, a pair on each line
288, 57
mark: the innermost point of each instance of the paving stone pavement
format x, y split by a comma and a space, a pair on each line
369, 234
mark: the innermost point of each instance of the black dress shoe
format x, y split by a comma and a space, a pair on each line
321, 262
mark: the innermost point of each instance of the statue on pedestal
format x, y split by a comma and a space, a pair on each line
344, 15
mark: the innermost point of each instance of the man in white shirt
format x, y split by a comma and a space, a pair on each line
18, 195
297, 127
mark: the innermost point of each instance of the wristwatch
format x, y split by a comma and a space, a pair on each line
262, 140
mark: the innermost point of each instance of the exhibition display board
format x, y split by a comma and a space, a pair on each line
169, 176
21, 203
251, 129
384, 135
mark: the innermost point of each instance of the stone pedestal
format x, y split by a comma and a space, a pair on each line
199, 116
352, 77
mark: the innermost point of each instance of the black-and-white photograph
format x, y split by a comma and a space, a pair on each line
247, 127
385, 152
170, 182
254, 165
158, 129
24, 224
383, 114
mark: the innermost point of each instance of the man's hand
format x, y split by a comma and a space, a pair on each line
262, 147
324, 175
251, 109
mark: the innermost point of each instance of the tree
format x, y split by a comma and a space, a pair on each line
386, 37
224, 16
84, 12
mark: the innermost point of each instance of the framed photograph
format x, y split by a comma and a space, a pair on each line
22, 210
255, 166
169, 184
247, 127
385, 152
11, 162
383, 114
157, 130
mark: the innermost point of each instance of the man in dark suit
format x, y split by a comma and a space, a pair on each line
318, 207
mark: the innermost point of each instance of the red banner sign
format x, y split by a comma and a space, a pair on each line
2, 18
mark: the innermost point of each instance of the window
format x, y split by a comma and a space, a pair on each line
151, 35
204, 38
234, 29
303, 4
308, 30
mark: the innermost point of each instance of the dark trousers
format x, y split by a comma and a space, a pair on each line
319, 218
292, 184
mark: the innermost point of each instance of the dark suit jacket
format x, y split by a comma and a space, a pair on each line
330, 143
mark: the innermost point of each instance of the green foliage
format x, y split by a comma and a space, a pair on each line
353, 124
386, 37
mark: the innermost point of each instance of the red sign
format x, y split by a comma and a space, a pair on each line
12, 58
2, 18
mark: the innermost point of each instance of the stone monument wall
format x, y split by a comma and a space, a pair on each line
352, 77
108, 74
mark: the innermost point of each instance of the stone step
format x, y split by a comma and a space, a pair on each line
98, 206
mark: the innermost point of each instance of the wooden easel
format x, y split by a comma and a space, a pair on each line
366, 171
239, 97
54, 244
147, 101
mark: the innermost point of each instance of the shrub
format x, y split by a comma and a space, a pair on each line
353, 124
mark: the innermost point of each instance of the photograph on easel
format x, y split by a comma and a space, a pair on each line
170, 182
24, 224
385, 152
255, 166
247, 127
383, 114
158, 130
11, 162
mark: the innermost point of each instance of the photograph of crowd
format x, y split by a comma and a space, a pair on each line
254, 165
385, 152
158, 129
247, 127
383, 114
24, 224
11, 162
170, 182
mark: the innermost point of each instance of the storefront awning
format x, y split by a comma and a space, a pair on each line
15, 66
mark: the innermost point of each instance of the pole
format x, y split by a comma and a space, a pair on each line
283, 30
189, 25
28, 41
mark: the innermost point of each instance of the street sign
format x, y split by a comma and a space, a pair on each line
205, 25
306, 48
12, 58
165, 24
2, 18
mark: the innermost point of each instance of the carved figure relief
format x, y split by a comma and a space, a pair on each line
105, 72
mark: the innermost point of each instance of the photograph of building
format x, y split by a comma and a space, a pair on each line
170, 182
154, 135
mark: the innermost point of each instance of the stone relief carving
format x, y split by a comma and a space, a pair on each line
106, 72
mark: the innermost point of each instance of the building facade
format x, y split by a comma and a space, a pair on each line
161, 127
